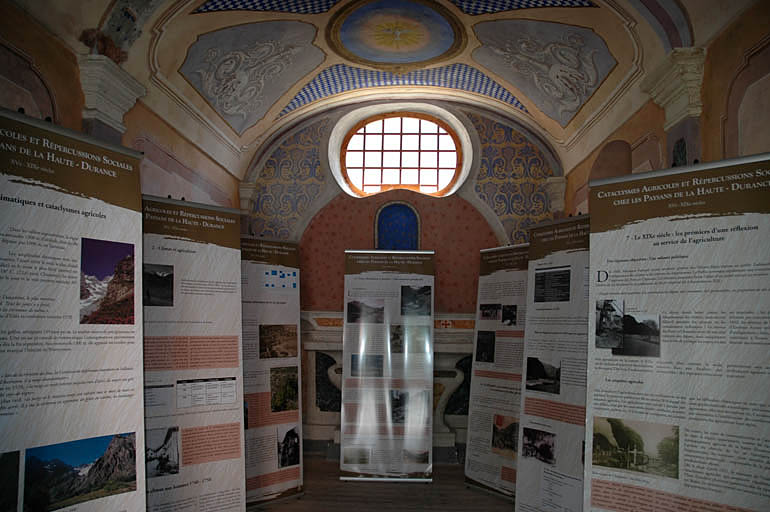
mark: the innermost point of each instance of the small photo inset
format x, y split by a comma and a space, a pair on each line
366, 366
288, 445
485, 347
412, 405
415, 456
277, 341
284, 389
505, 435
509, 314
157, 285
356, 455
414, 339
641, 335
543, 375
366, 311
416, 301
106, 282
490, 311
640, 446
162, 451
609, 323
538, 444
9, 481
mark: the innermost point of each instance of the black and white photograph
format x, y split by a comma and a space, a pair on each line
370, 365
640, 446
552, 284
609, 323
366, 311
485, 347
543, 375
408, 404
277, 341
284, 389
641, 335
288, 445
356, 455
509, 314
538, 444
162, 451
9, 481
490, 311
416, 301
157, 285
505, 435
413, 339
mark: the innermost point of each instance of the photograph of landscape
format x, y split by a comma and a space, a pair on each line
157, 285
284, 389
505, 435
106, 282
65, 474
543, 375
416, 301
636, 446
413, 339
277, 341
366, 311
366, 365
641, 335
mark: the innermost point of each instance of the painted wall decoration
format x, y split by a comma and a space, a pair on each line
391, 33
669, 20
491, 6
291, 179
243, 70
397, 228
511, 177
295, 6
558, 67
342, 78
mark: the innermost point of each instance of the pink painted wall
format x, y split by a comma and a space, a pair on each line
451, 226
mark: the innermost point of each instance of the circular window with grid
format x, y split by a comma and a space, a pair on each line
401, 150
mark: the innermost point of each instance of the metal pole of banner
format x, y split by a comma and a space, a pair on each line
386, 479
378, 251
504, 247
681, 170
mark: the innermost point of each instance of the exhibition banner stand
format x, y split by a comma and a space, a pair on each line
387, 385
552, 424
493, 410
272, 377
192, 357
679, 341
70, 321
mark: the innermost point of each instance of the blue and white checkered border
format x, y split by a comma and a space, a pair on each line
293, 6
491, 6
342, 78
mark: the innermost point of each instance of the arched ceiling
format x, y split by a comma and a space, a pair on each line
231, 74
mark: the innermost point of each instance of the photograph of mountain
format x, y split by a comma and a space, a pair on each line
288, 446
106, 282
9, 481
277, 341
284, 389
370, 365
157, 285
162, 451
366, 311
543, 375
62, 475
505, 436
416, 301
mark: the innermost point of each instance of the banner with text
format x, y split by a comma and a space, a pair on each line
192, 357
552, 425
679, 341
493, 410
272, 375
387, 384
71, 412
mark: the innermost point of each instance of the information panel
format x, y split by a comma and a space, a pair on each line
552, 426
679, 341
70, 321
493, 410
387, 384
271, 368
192, 357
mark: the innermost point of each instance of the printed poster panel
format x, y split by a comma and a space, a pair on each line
493, 411
387, 384
71, 411
271, 368
192, 357
679, 340
552, 426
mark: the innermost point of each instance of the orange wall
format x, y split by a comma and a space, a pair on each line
451, 226
55, 62
725, 57
648, 120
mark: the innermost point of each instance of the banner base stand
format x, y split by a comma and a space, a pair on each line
265, 504
385, 479
491, 492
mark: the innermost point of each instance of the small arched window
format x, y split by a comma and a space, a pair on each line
407, 150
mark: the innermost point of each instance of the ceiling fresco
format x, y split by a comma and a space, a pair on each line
557, 66
493, 6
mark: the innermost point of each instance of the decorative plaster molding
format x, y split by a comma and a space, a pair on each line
676, 84
109, 90
555, 187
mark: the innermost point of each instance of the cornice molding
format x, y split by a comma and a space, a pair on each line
676, 83
109, 90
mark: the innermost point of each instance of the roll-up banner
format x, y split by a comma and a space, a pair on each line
192, 357
387, 386
679, 340
493, 411
552, 424
71, 413
271, 368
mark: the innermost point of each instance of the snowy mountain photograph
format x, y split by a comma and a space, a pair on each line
106, 282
